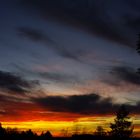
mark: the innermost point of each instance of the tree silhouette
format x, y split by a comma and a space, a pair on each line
2, 131
100, 131
122, 127
46, 135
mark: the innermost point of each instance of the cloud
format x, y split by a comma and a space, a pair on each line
138, 44
11, 113
122, 76
33, 34
39, 36
133, 22
51, 73
93, 16
125, 74
69, 54
138, 49
15, 84
60, 77
83, 104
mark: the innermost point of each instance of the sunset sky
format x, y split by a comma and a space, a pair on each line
68, 63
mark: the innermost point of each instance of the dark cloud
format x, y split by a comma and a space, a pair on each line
14, 83
138, 49
92, 15
138, 44
84, 104
121, 76
75, 55
33, 34
6, 113
40, 36
133, 22
3, 98
126, 74
60, 77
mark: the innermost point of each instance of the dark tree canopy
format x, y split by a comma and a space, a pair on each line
100, 131
122, 127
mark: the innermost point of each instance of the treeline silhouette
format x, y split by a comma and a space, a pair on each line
14, 134
121, 128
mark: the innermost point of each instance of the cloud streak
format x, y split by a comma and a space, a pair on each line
121, 76
60, 77
83, 104
94, 16
13, 83
39, 36
33, 34
126, 74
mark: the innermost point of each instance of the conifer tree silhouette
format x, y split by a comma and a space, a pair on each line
122, 126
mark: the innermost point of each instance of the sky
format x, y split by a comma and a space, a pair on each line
69, 63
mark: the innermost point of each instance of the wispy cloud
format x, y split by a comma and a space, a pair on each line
13, 83
39, 36
33, 34
95, 16
60, 77
124, 74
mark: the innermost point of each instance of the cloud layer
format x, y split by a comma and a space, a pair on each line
13, 83
81, 104
126, 74
95, 16
39, 36
122, 75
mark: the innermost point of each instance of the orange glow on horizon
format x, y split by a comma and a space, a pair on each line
60, 128
24, 116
